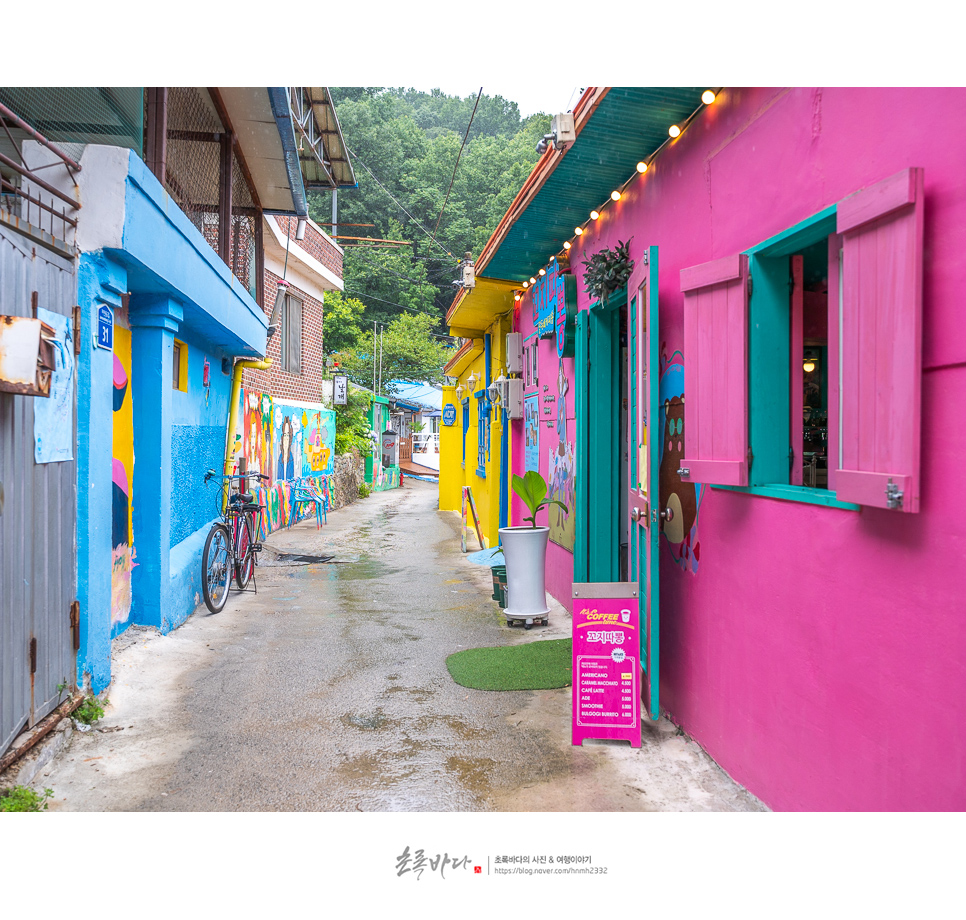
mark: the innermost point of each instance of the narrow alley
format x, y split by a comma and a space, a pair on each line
328, 691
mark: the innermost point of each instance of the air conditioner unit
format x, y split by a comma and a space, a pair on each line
514, 352
562, 129
514, 398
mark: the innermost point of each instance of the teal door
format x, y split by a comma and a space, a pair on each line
644, 461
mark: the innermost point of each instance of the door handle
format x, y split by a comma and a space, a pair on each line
667, 514
636, 514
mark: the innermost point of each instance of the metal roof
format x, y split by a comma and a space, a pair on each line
628, 124
325, 161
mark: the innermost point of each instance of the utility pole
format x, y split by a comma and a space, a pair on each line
335, 213
373, 356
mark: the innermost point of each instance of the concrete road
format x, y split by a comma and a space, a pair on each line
328, 691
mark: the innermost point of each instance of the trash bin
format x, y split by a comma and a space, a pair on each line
499, 584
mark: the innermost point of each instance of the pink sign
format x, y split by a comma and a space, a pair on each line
606, 663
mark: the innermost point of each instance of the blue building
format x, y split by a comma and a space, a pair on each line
170, 269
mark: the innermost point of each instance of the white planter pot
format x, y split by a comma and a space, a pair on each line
525, 553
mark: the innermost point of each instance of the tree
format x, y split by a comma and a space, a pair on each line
405, 350
342, 322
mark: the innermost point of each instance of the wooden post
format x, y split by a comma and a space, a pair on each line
463, 528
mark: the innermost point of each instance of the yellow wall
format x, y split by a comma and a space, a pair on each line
453, 475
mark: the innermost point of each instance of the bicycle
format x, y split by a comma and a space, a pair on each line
231, 548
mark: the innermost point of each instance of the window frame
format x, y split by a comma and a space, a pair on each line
289, 365
482, 432
179, 349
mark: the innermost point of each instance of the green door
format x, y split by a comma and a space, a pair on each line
644, 460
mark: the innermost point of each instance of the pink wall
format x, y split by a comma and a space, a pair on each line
818, 654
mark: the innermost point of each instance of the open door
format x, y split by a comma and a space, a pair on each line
644, 459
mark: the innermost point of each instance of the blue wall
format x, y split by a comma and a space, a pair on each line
178, 288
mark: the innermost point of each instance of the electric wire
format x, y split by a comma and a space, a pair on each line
457, 163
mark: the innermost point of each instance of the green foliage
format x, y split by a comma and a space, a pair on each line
352, 424
89, 711
409, 351
608, 271
532, 489
365, 490
23, 798
341, 322
409, 140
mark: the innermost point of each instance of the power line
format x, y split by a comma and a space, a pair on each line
432, 237
457, 163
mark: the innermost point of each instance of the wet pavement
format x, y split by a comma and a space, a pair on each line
328, 691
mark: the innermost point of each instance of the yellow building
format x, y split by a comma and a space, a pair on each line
475, 450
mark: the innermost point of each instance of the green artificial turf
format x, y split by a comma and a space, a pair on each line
540, 665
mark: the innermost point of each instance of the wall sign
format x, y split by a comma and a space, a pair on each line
606, 662
340, 390
550, 295
565, 317
105, 328
449, 414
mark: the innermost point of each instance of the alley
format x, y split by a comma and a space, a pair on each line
328, 691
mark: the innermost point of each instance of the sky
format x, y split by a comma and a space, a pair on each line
549, 98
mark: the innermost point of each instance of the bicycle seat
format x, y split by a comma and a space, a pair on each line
242, 498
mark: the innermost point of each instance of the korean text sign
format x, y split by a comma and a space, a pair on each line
606, 662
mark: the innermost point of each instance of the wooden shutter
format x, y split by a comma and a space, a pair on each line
881, 343
716, 372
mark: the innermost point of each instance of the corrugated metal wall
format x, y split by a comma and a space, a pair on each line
38, 512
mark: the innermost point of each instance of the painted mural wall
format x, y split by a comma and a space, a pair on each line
291, 442
792, 634
122, 478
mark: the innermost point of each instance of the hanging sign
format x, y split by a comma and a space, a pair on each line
340, 384
606, 662
550, 299
565, 316
449, 414
105, 328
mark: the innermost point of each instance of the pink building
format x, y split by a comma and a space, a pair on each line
763, 424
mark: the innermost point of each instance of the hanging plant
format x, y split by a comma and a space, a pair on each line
608, 271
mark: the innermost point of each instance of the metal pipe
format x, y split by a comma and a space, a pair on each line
41, 730
37, 136
16, 167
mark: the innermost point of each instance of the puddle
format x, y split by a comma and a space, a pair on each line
366, 722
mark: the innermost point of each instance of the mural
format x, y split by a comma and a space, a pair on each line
54, 415
684, 498
285, 442
531, 431
122, 552
563, 525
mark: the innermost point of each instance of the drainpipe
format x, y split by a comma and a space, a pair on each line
236, 379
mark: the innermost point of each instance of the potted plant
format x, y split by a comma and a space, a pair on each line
525, 553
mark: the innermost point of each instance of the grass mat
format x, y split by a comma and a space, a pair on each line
540, 665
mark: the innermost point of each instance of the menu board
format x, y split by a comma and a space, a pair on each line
606, 662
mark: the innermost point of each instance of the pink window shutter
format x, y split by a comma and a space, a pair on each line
881, 344
716, 372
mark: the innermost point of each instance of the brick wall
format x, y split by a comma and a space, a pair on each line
306, 386
315, 244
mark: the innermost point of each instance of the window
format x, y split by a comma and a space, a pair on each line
291, 334
803, 357
179, 366
482, 433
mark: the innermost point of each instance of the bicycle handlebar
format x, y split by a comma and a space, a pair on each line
211, 474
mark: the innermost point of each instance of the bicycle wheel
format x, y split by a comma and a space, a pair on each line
216, 568
244, 554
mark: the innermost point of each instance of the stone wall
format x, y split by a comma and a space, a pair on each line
350, 473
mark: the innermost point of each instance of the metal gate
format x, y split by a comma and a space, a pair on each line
38, 508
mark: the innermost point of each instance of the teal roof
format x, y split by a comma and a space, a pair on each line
629, 124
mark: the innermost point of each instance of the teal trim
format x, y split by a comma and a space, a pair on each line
790, 493
582, 425
603, 450
632, 398
769, 361
769, 373
799, 236
653, 588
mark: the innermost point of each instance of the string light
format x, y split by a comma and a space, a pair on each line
542, 272
707, 98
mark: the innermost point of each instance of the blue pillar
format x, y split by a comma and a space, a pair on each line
154, 321
100, 281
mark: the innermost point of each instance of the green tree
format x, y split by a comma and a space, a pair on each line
405, 350
342, 322
352, 424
